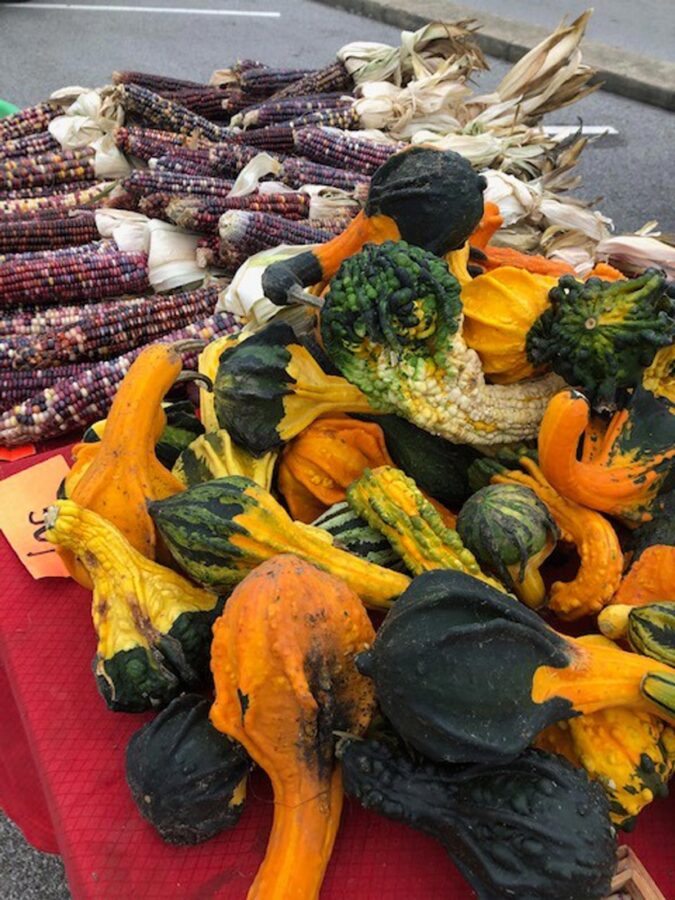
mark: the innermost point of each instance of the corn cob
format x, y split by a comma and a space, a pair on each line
95, 336
149, 143
297, 171
156, 83
333, 224
88, 196
40, 191
37, 233
234, 100
31, 120
84, 274
203, 100
189, 162
282, 137
337, 148
82, 398
203, 214
163, 113
333, 77
143, 182
272, 112
154, 205
261, 82
29, 145
244, 233
15, 386
47, 169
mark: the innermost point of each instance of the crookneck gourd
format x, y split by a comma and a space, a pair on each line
121, 473
153, 626
511, 533
499, 310
534, 828
595, 539
620, 748
650, 575
186, 777
283, 665
270, 387
392, 324
618, 470
215, 455
467, 675
219, 531
207, 364
430, 198
392, 504
600, 335
319, 464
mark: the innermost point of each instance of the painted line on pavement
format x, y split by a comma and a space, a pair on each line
176, 10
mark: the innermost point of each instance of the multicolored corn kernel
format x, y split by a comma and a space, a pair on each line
244, 233
48, 232
47, 169
274, 112
297, 171
333, 77
142, 182
339, 148
31, 120
81, 398
261, 82
90, 197
29, 145
158, 83
150, 143
166, 114
203, 214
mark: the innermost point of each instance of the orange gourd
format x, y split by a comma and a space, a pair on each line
595, 540
538, 265
650, 579
318, 466
285, 681
491, 222
117, 476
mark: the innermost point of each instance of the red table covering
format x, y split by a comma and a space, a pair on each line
62, 780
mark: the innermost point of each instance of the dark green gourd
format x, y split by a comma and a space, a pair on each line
453, 665
651, 631
352, 533
187, 778
535, 828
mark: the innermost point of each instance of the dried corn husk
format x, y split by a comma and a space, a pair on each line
635, 252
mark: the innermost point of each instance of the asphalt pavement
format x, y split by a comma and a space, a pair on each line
44, 49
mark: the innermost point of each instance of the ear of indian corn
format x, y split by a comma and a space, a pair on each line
203, 214
31, 120
338, 148
29, 145
297, 171
275, 111
333, 77
16, 385
150, 143
142, 182
166, 114
243, 233
262, 81
156, 83
47, 169
87, 196
77, 401
49, 232
96, 335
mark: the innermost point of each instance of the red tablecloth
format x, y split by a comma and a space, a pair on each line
62, 780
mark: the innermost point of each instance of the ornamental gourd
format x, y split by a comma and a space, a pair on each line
269, 388
649, 628
511, 533
116, 477
594, 537
153, 626
391, 503
319, 464
283, 665
187, 779
534, 828
353, 534
650, 576
621, 468
467, 675
215, 455
392, 324
499, 310
221, 530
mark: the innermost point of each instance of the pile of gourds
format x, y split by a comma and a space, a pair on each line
474, 451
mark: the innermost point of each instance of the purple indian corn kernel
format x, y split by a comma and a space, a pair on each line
40, 191
96, 336
244, 233
15, 385
80, 399
158, 83
188, 162
297, 171
87, 196
31, 120
29, 145
52, 232
142, 182
338, 148
149, 143
260, 83
274, 112
203, 215
89, 274
333, 77
163, 113
47, 169
205, 101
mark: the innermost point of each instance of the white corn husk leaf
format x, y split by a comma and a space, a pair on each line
516, 199
248, 179
325, 201
275, 187
520, 236
366, 134
172, 260
370, 61
571, 216
88, 121
127, 228
571, 246
638, 251
441, 45
244, 297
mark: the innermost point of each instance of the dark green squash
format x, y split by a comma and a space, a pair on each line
352, 533
438, 467
187, 778
510, 532
651, 631
466, 674
535, 828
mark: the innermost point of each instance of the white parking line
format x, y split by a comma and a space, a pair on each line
176, 10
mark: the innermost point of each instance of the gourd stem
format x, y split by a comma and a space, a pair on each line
600, 677
300, 845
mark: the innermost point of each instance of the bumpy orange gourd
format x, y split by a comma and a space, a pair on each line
319, 465
283, 664
499, 310
539, 265
620, 484
118, 475
650, 579
595, 540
